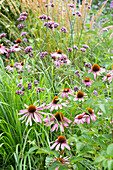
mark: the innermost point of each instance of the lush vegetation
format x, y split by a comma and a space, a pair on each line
56, 85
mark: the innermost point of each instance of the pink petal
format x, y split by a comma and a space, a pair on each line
63, 94
23, 116
37, 118
22, 112
65, 145
57, 148
52, 147
57, 168
88, 119
67, 120
55, 126
62, 128
29, 120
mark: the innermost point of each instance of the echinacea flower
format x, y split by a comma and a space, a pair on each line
61, 141
108, 77
15, 48
33, 112
55, 104
96, 70
64, 160
79, 96
63, 121
87, 82
65, 92
9, 68
80, 118
2, 49
58, 54
89, 115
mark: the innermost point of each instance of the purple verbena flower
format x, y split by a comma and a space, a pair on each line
3, 35
83, 49
63, 29
28, 49
23, 33
20, 26
29, 86
85, 46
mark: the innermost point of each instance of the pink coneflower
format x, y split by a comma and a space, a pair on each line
65, 92
55, 105
79, 96
9, 68
2, 49
60, 119
16, 48
80, 118
108, 77
61, 141
58, 54
96, 70
32, 112
87, 82
89, 115
64, 160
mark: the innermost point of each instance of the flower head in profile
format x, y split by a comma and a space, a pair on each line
61, 141
55, 104
108, 77
90, 114
96, 70
87, 82
80, 96
79, 118
65, 92
9, 68
58, 54
33, 112
62, 160
57, 119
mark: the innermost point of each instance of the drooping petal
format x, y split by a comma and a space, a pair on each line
29, 120
52, 147
62, 128
37, 118
65, 145
88, 119
54, 127
57, 147
67, 120
23, 117
22, 112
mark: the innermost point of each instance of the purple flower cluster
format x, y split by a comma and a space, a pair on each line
111, 6
20, 26
63, 29
28, 49
78, 13
43, 17
23, 33
76, 88
69, 49
29, 85
71, 5
85, 46
77, 73
42, 55
20, 92
75, 47
39, 90
88, 65
51, 24
3, 35
22, 17
83, 49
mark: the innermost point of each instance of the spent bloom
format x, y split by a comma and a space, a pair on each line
55, 104
90, 114
96, 70
33, 112
61, 141
63, 121
65, 92
79, 118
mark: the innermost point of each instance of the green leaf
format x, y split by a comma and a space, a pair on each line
54, 165
62, 167
110, 149
110, 164
75, 159
91, 32
48, 161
